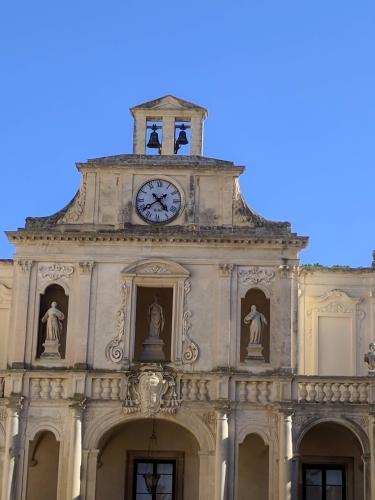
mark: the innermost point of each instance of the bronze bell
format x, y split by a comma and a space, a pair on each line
153, 141
181, 139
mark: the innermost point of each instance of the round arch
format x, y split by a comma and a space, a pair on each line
43, 426
353, 427
245, 431
100, 427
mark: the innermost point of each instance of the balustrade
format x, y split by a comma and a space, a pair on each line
333, 390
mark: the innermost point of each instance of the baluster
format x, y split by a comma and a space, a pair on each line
115, 388
363, 393
345, 393
35, 388
320, 392
106, 392
302, 391
184, 389
242, 392
45, 388
263, 392
253, 392
202, 390
336, 392
355, 393
193, 389
56, 388
327, 389
312, 392
96, 388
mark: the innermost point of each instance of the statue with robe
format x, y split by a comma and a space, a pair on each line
54, 319
155, 318
257, 322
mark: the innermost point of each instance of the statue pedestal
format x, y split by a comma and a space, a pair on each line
254, 352
51, 349
153, 349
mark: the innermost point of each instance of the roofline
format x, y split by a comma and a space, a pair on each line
154, 102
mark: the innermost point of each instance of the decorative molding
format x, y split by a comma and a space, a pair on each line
190, 350
336, 298
256, 275
156, 267
338, 294
151, 391
85, 267
225, 270
25, 265
55, 272
5, 293
75, 211
115, 349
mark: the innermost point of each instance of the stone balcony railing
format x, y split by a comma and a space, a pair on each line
194, 387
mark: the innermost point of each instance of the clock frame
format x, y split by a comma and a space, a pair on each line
158, 201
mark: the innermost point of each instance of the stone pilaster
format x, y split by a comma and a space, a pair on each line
89, 469
82, 328
167, 147
20, 312
223, 328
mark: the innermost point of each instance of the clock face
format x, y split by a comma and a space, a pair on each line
158, 201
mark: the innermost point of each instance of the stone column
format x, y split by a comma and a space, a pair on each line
285, 455
206, 476
89, 469
222, 452
82, 328
12, 444
196, 135
139, 135
77, 408
19, 315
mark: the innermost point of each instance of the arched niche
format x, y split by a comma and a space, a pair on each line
255, 297
42, 467
53, 293
253, 468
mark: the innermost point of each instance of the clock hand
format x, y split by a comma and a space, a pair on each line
164, 207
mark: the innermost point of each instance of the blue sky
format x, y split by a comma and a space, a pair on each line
289, 86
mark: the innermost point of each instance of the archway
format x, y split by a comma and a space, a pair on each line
331, 464
126, 451
42, 469
253, 468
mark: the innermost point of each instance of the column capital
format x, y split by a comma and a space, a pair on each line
85, 267
25, 265
225, 270
223, 409
15, 403
78, 406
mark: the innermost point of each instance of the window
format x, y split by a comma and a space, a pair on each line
160, 485
324, 482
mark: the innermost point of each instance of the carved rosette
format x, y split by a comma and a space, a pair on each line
190, 350
75, 211
115, 349
54, 272
256, 275
150, 392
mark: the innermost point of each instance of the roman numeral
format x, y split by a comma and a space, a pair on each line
159, 184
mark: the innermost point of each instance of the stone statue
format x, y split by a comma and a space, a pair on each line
54, 319
155, 318
257, 322
370, 358
153, 344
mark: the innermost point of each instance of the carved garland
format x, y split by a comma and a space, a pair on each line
115, 349
256, 275
54, 272
190, 350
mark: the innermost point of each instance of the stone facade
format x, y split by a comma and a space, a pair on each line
236, 426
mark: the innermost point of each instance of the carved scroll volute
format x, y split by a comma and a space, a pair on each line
190, 350
115, 350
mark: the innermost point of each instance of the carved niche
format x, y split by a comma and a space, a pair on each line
255, 326
52, 323
140, 283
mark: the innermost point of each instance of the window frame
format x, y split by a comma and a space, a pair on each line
324, 467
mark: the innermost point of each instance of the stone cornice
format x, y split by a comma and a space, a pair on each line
210, 235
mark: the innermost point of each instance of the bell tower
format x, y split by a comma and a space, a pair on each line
168, 126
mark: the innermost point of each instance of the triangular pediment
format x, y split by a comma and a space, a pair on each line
168, 102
